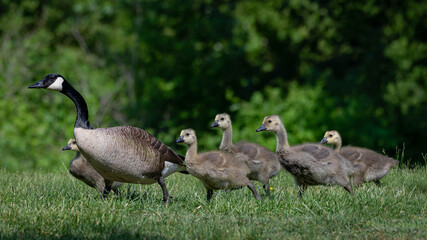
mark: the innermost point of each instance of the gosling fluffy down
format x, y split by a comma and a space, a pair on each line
216, 169
372, 166
310, 164
263, 163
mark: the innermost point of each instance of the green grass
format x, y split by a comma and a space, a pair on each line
36, 205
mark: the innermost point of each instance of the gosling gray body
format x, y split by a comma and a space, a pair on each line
263, 163
372, 165
216, 169
123, 154
310, 164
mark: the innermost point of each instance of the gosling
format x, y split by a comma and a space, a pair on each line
216, 169
310, 164
375, 165
263, 163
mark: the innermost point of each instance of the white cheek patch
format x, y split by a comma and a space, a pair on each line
56, 85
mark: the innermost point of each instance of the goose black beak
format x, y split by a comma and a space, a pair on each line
215, 124
38, 84
261, 128
66, 147
324, 141
180, 139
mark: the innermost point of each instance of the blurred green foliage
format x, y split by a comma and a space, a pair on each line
357, 67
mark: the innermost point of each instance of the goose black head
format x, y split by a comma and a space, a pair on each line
51, 81
222, 121
271, 123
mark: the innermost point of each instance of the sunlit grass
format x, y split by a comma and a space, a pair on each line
54, 205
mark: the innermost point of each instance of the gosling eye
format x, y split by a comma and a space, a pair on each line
330, 135
222, 119
187, 134
269, 121
74, 142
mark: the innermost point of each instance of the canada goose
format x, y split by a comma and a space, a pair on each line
82, 170
215, 169
310, 164
263, 163
123, 154
376, 165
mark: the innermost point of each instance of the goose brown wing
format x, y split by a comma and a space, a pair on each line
150, 144
165, 152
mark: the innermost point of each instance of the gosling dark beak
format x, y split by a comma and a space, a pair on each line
324, 141
38, 84
180, 139
261, 128
66, 147
215, 124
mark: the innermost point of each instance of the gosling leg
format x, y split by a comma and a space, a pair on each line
266, 187
107, 189
166, 196
301, 190
349, 189
253, 189
117, 192
209, 194
377, 182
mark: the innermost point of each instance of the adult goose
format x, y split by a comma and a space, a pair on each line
375, 165
82, 170
310, 164
123, 154
263, 163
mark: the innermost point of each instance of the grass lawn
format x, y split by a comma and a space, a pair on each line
37, 205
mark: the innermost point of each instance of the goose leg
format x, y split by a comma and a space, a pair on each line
166, 196
209, 194
253, 189
266, 187
377, 182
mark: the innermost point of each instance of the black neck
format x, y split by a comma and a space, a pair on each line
82, 119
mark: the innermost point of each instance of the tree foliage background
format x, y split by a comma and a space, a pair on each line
355, 66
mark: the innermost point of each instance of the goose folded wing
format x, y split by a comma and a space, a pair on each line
146, 140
